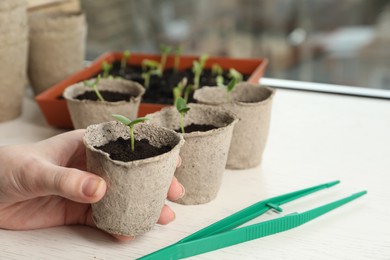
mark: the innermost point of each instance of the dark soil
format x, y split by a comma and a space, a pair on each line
195, 127
160, 88
107, 95
120, 150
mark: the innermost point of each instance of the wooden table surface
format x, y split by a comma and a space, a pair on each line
314, 138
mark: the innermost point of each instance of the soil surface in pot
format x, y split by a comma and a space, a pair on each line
195, 127
120, 150
110, 96
160, 88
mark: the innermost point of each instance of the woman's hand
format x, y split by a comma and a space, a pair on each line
45, 184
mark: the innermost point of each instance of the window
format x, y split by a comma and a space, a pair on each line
324, 41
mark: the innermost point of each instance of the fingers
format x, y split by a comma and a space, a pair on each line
176, 190
69, 183
167, 215
66, 149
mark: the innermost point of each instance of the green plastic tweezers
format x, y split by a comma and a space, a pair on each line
222, 233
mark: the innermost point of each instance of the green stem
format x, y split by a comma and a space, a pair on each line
196, 81
132, 138
182, 123
146, 77
98, 93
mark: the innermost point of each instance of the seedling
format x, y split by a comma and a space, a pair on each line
181, 106
106, 68
125, 59
93, 84
150, 67
217, 70
197, 68
165, 50
178, 52
150, 64
147, 75
180, 89
130, 123
234, 74
229, 88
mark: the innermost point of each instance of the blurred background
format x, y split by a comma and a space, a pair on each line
344, 42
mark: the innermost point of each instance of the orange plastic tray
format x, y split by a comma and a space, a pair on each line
56, 112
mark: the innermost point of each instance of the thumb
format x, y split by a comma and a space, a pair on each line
73, 184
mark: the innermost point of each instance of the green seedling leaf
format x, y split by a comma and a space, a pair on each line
125, 59
93, 84
130, 123
138, 120
124, 120
202, 60
150, 64
230, 87
232, 84
106, 68
234, 74
148, 74
216, 69
187, 92
219, 81
197, 68
178, 90
165, 50
181, 106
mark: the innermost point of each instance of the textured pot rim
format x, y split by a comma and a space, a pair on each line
137, 162
69, 97
11, 5
42, 23
240, 103
197, 134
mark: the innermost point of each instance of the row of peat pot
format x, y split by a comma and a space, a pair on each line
37, 49
137, 189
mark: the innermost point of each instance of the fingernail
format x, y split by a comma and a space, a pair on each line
183, 191
173, 215
92, 186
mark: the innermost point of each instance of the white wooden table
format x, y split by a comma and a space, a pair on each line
314, 138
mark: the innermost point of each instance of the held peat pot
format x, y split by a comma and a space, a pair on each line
252, 105
136, 190
204, 154
85, 112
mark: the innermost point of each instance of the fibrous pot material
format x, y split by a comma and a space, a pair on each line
13, 16
204, 154
13, 54
57, 47
137, 190
252, 104
87, 112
